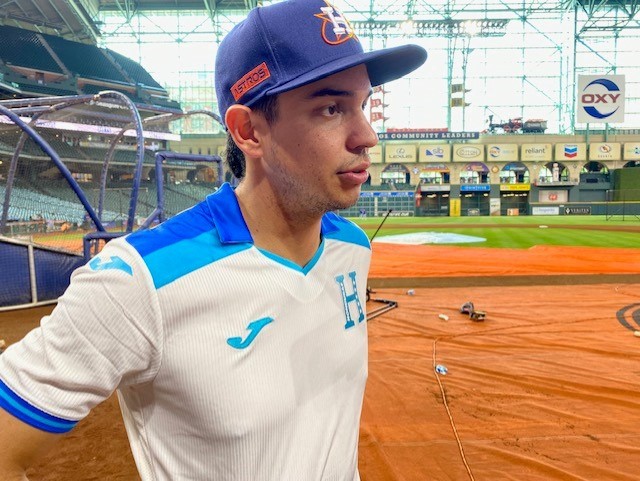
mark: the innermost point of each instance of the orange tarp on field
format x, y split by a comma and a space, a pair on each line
393, 260
546, 388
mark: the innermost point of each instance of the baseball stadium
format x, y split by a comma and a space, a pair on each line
502, 207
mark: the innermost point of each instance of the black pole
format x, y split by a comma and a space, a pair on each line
376, 232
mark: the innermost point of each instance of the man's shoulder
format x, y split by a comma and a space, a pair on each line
182, 245
338, 228
186, 225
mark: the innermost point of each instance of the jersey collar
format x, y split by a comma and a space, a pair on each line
227, 217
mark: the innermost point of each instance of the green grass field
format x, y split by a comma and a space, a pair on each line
520, 232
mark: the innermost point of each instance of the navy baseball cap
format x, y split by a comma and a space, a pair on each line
293, 43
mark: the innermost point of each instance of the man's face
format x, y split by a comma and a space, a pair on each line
316, 153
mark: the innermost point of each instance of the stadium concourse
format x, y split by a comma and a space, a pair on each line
545, 388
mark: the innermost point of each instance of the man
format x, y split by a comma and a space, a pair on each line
234, 332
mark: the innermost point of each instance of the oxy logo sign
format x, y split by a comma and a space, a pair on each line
601, 98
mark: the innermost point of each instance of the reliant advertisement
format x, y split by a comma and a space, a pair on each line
539, 152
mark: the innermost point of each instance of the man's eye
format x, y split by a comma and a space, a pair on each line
331, 110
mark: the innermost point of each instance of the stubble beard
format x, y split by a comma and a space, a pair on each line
305, 204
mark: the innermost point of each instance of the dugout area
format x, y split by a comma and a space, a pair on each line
546, 388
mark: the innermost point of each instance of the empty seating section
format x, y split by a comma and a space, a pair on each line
135, 71
85, 60
94, 89
74, 63
55, 200
26, 204
23, 48
47, 90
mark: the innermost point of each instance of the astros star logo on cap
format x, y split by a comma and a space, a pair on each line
336, 29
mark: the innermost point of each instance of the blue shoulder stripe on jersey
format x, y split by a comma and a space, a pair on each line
18, 407
205, 233
181, 258
219, 211
339, 228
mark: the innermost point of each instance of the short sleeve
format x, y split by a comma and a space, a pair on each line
105, 332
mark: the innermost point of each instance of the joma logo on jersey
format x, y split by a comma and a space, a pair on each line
336, 29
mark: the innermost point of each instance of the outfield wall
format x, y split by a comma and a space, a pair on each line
33, 275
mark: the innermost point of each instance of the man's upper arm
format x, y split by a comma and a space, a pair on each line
20, 446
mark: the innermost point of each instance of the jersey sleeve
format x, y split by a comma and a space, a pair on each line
105, 332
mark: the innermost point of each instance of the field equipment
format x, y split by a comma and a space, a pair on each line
468, 308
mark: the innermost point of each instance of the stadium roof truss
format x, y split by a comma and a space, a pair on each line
76, 19
65, 18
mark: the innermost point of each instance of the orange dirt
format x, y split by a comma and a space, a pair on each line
546, 388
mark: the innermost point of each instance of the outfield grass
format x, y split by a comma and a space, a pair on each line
520, 232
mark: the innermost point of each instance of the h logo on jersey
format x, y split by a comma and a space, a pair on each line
336, 29
350, 298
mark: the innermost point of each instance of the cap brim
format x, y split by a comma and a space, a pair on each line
383, 66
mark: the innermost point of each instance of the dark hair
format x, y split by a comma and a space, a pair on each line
268, 107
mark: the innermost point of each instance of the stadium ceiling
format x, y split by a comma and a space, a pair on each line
73, 19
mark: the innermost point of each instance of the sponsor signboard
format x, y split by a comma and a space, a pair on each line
502, 152
404, 153
545, 210
384, 193
475, 188
539, 152
584, 210
375, 154
434, 153
468, 153
435, 188
434, 167
572, 151
601, 98
515, 187
631, 151
553, 196
605, 151
428, 135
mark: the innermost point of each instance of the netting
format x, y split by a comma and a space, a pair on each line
39, 203
623, 204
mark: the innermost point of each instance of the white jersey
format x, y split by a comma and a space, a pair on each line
230, 362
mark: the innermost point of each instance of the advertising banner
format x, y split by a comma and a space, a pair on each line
601, 98
468, 153
515, 187
434, 153
539, 152
605, 151
545, 210
574, 151
553, 196
631, 151
502, 152
375, 154
404, 153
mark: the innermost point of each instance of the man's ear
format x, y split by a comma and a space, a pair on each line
240, 124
